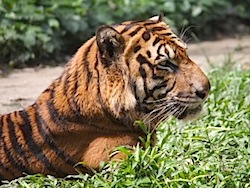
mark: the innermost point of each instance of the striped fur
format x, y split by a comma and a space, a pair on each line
130, 71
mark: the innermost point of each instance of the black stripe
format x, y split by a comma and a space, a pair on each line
54, 114
157, 57
171, 88
167, 34
86, 63
16, 145
148, 54
65, 83
58, 118
142, 72
11, 160
49, 141
77, 115
144, 77
158, 51
160, 96
158, 29
2, 166
32, 145
137, 48
89, 74
70, 100
149, 93
167, 52
150, 22
47, 90
157, 39
141, 59
127, 27
133, 33
66, 76
162, 84
65, 90
156, 77
76, 85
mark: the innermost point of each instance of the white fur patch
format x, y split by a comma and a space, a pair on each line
171, 51
129, 99
162, 50
155, 18
119, 101
140, 88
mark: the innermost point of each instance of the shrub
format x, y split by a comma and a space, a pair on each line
33, 30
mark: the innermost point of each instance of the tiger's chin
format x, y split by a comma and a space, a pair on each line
190, 113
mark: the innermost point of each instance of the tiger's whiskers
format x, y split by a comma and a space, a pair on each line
160, 107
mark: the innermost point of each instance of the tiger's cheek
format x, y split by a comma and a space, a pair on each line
166, 81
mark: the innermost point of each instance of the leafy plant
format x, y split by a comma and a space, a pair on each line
212, 151
33, 30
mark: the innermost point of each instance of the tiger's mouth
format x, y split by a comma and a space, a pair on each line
189, 113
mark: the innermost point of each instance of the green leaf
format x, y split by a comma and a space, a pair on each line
197, 10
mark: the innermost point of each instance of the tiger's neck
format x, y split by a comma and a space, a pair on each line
89, 90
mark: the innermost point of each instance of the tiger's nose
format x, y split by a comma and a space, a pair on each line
201, 94
203, 91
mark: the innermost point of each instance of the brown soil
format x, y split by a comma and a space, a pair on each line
22, 87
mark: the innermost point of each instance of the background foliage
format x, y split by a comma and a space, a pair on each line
35, 30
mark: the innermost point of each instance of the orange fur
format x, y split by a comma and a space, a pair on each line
130, 71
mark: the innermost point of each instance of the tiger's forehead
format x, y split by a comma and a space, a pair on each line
149, 28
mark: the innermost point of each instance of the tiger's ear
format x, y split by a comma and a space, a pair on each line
111, 43
158, 18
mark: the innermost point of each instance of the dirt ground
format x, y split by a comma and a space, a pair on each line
22, 87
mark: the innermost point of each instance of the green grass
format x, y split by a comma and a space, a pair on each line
213, 151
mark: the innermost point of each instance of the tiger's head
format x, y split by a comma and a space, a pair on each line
146, 71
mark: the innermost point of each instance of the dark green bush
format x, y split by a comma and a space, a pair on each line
34, 30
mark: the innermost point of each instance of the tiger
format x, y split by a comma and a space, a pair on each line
134, 70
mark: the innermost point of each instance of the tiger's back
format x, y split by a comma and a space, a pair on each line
134, 70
